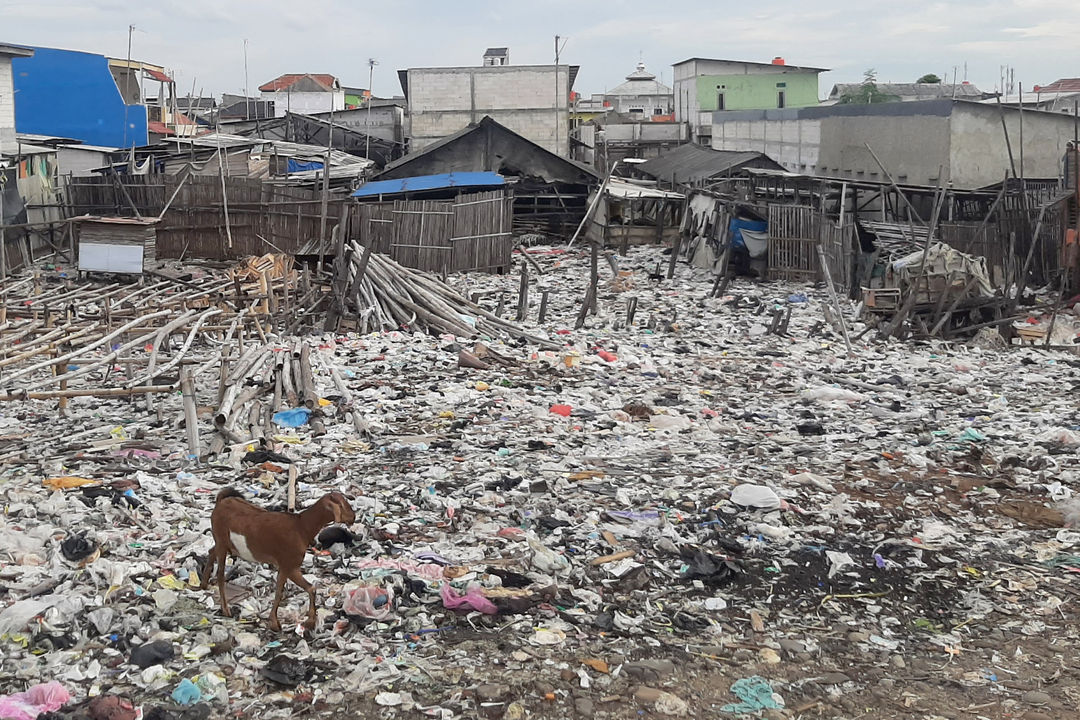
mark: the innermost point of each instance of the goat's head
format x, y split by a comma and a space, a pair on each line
339, 506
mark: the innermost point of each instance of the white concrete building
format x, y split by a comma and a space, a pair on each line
7, 94
383, 120
642, 96
494, 57
307, 94
953, 142
531, 100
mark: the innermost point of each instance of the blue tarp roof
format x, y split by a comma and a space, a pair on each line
429, 182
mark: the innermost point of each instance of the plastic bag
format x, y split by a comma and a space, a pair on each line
756, 695
755, 496
471, 600
369, 601
292, 418
547, 560
38, 699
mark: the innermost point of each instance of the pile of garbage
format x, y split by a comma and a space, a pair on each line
683, 515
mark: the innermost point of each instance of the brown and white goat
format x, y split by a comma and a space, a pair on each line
280, 539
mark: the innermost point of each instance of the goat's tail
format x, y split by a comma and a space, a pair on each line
229, 492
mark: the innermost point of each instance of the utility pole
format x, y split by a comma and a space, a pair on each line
558, 100
247, 97
372, 62
127, 86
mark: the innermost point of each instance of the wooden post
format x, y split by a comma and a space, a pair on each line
585, 307
624, 243
675, 248
523, 293
191, 422
661, 213
58, 369
543, 305
594, 275
832, 296
293, 474
225, 200
631, 310
325, 200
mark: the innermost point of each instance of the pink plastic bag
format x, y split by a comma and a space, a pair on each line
471, 600
369, 601
33, 702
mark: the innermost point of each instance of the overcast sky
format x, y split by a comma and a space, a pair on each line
201, 41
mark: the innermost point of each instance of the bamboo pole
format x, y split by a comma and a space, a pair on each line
90, 392
191, 423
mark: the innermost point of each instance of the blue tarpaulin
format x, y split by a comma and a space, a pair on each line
737, 226
295, 166
429, 182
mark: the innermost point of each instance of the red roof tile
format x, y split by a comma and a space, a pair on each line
1064, 85
157, 75
288, 79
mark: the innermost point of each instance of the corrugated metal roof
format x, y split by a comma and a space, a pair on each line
691, 163
920, 91
429, 182
15, 50
287, 149
629, 191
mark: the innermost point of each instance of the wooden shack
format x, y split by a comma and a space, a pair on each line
116, 244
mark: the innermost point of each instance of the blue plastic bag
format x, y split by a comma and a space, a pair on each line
292, 418
186, 693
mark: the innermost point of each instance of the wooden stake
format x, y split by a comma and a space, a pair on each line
832, 296
543, 305
293, 474
191, 421
523, 293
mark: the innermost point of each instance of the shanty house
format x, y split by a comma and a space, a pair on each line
453, 222
549, 191
305, 93
692, 166
704, 86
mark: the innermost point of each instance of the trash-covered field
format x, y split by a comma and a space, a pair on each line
691, 516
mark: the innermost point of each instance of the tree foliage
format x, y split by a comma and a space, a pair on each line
929, 78
867, 93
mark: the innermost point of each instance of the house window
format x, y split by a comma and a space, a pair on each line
637, 111
781, 100
720, 104
658, 111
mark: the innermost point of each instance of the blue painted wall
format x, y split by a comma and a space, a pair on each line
72, 94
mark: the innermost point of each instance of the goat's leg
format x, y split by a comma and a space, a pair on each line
273, 622
220, 558
208, 568
297, 577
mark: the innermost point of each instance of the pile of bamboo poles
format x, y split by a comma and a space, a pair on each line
385, 295
263, 381
79, 332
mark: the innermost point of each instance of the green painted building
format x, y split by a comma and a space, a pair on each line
703, 86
